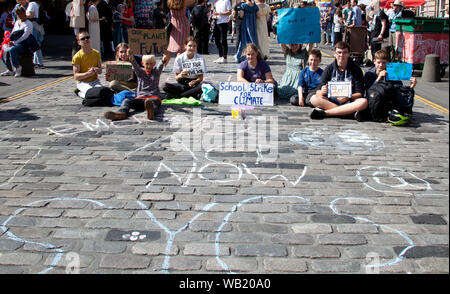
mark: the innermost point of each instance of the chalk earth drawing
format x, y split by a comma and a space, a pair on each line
348, 140
359, 144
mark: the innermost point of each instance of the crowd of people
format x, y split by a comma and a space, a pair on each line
193, 24
23, 27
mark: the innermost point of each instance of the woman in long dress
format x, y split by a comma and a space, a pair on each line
261, 28
248, 28
180, 27
94, 24
77, 16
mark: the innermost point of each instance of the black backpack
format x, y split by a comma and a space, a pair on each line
380, 97
403, 99
98, 96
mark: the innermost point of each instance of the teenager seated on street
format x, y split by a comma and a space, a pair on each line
15, 48
341, 70
116, 85
148, 95
87, 65
309, 79
188, 84
255, 69
378, 73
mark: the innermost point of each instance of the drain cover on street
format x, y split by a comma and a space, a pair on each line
133, 235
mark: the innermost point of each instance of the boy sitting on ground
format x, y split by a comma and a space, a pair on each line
378, 72
309, 78
148, 94
388, 100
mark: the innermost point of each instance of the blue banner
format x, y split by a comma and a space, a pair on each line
298, 25
399, 71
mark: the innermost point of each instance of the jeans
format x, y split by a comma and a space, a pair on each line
138, 104
11, 57
37, 55
220, 37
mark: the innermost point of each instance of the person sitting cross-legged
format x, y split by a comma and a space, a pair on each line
342, 69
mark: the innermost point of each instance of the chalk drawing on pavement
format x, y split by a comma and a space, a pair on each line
52, 248
346, 140
387, 179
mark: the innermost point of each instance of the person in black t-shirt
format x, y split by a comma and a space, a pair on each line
380, 30
200, 26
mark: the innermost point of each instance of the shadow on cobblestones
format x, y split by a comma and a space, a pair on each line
17, 114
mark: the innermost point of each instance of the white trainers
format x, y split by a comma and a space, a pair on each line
7, 73
18, 71
219, 60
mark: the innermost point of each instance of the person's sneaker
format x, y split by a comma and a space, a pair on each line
148, 105
359, 116
317, 113
18, 71
294, 100
219, 60
7, 73
76, 91
111, 115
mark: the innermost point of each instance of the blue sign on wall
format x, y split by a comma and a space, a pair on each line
298, 25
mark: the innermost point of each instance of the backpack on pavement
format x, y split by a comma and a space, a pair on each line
98, 96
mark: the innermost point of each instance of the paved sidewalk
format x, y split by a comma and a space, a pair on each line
173, 196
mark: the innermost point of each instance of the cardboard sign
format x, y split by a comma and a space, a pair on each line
194, 66
339, 89
246, 94
298, 25
119, 70
399, 71
146, 42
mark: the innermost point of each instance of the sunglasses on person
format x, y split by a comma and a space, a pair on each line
85, 38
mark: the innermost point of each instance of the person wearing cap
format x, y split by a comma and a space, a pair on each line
394, 13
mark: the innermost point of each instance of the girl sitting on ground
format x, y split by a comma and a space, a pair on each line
188, 83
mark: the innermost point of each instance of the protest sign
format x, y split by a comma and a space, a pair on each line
119, 70
399, 71
194, 66
235, 93
298, 25
146, 42
339, 89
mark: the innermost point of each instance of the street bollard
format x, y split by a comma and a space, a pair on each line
431, 68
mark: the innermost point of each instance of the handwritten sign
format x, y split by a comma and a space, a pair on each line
339, 89
145, 42
235, 93
298, 25
399, 71
194, 66
119, 70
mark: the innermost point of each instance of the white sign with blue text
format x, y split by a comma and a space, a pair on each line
255, 94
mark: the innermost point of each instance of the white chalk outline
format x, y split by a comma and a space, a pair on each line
51, 247
171, 234
400, 256
227, 217
379, 169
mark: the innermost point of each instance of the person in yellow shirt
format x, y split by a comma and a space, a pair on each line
87, 65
